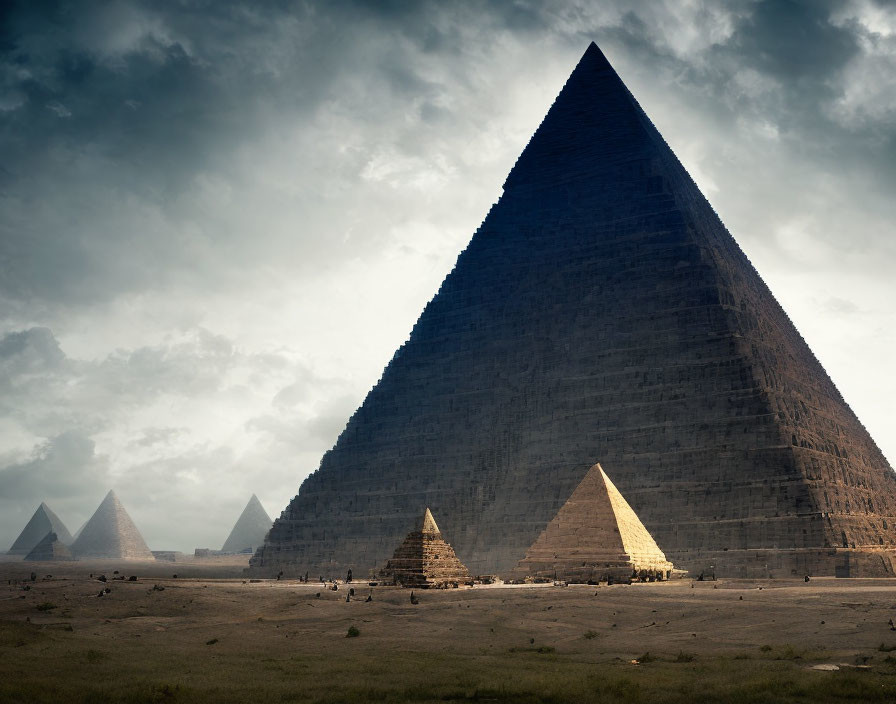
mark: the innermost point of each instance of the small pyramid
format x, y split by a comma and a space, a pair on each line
50, 549
424, 559
595, 535
42, 522
111, 534
250, 528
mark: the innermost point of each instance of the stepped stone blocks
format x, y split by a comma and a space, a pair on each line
250, 528
594, 536
424, 559
110, 533
42, 522
601, 310
50, 549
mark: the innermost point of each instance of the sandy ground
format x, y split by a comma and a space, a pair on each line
210, 612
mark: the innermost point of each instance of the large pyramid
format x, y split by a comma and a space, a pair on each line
250, 528
424, 559
595, 535
50, 549
601, 310
42, 522
110, 533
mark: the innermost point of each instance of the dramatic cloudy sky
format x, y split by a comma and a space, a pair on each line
218, 220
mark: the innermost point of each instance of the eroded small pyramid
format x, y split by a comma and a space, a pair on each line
42, 522
595, 535
250, 529
50, 549
111, 534
424, 559
429, 524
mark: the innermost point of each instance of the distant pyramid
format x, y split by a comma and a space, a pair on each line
42, 522
50, 549
110, 533
601, 310
594, 535
424, 559
250, 528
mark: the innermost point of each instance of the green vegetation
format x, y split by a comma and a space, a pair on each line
152, 675
46, 606
352, 632
588, 635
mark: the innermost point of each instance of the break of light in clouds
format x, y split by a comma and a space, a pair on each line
218, 221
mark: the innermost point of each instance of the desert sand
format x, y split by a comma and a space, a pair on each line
213, 635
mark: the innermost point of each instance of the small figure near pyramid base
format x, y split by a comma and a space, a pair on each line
425, 561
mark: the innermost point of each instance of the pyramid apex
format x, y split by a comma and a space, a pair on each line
429, 523
595, 58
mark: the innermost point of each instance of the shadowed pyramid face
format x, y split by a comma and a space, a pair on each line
250, 528
601, 313
42, 522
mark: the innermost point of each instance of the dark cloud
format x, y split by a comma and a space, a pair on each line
795, 41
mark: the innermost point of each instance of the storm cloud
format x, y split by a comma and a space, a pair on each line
219, 220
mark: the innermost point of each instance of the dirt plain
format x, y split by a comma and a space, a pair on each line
213, 635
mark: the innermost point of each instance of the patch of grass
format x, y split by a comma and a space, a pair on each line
684, 657
15, 634
211, 642
766, 648
353, 632
886, 648
787, 652
645, 658
94, 656
588, 635
46, 606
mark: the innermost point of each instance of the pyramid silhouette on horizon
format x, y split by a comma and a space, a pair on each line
594, 536
601, 310
42, 521
50, 549
424, 559
111, 534
250, 528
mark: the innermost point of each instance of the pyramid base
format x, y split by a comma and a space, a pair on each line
420, 575
417, 580
588, 571
785, 564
